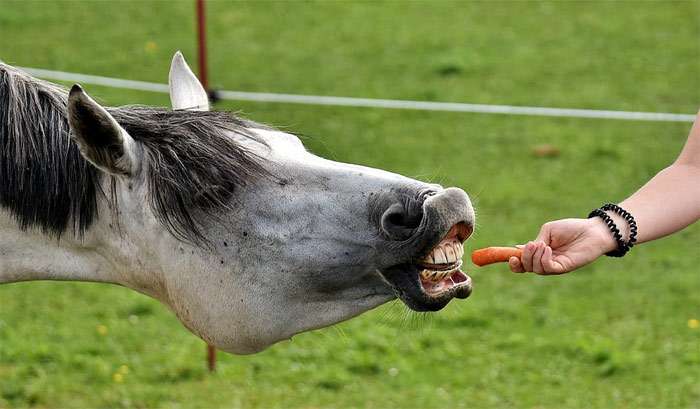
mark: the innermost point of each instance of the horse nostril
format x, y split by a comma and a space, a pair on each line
426, 194
398, 222
395, 219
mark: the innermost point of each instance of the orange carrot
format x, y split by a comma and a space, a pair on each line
491, 255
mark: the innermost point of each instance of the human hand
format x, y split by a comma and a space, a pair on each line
563, 246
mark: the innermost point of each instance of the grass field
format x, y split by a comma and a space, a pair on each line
616, 334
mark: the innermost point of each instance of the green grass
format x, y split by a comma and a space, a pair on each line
614, 334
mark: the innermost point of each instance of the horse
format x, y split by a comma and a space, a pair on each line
244, 234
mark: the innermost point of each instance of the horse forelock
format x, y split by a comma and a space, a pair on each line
193, 166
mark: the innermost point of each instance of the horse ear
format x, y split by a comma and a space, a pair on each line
100, 139
186, 92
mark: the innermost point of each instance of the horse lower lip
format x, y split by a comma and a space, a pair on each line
423, 295
445, 284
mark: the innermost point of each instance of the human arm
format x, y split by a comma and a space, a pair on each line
669, 202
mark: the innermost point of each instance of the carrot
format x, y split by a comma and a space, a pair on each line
491, 255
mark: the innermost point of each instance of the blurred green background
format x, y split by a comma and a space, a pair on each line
619, 333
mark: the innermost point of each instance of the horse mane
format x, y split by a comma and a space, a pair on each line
192, 164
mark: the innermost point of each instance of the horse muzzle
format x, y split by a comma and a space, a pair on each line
429, 274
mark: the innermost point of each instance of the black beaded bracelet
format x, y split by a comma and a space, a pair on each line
628, 218
622, 246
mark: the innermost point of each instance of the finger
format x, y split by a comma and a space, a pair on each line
559, 268
548, 265
537, 258
526, 259
554, 265
544, 233
515, 265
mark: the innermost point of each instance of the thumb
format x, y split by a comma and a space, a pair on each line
545, 233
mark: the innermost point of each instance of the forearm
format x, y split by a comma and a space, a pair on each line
668, 203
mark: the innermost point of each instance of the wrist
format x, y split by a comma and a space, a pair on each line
605, 241
621, 224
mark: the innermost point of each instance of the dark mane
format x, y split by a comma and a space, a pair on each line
192, 166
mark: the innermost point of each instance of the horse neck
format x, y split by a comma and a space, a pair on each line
32, 255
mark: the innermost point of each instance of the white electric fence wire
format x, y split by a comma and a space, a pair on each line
368, 102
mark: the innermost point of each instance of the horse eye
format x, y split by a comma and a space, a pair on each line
115, 151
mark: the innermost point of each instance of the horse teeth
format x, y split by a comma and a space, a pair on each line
445, 253
438, 276
440, 257
450, 253
430, 275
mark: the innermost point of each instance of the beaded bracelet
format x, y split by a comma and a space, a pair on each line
628, 218
622, 246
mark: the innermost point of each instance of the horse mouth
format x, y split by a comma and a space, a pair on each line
432, 282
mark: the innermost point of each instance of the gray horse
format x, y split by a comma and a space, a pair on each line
244, 234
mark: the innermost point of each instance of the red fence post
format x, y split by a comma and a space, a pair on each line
211, 358
204, 79
202, 44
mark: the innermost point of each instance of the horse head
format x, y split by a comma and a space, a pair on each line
247, 236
